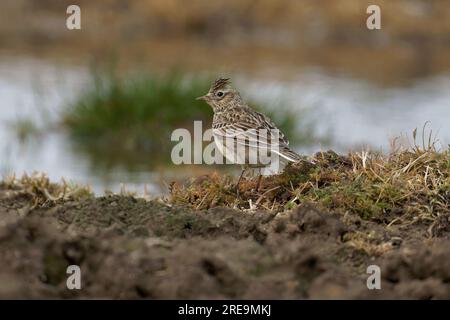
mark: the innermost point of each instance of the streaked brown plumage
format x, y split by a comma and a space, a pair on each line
233, 118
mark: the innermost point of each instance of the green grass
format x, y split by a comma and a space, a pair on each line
24, 128
142, 103
128, 121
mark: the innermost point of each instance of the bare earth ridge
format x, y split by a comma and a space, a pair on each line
133, 248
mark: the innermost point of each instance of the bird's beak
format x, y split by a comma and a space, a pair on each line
202, 98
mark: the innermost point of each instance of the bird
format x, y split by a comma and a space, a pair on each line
250, 131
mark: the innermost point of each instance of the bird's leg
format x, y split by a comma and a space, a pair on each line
239, 180
258, 185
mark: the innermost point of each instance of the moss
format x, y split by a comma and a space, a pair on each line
378, 187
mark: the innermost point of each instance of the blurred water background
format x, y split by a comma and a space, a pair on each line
343, 86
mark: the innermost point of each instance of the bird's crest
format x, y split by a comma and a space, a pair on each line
220, 83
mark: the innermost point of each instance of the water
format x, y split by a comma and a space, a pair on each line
356, 113
352, 112
35, 90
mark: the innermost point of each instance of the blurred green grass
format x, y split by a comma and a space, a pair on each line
128, 121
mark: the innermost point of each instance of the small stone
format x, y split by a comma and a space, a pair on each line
396, 242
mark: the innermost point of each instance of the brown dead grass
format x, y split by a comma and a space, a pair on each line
41, 190
405, 186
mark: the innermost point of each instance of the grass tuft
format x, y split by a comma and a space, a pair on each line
41, 191
405, 185
120, 122
128, 122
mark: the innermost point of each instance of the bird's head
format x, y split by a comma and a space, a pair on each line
221, 95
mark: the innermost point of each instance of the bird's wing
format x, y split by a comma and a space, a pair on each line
268, 123
240, 135
252, 126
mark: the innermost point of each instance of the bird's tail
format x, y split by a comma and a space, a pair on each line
285, 156
292, 156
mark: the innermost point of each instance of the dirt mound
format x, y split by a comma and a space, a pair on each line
422, 272
132, 248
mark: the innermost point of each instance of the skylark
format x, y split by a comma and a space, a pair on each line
245, 136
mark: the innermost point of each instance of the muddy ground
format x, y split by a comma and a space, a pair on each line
134, 248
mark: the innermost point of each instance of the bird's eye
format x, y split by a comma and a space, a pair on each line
219, 94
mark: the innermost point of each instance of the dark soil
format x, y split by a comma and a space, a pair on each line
133, 248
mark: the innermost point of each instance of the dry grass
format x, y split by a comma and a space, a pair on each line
40, 190
404, 186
